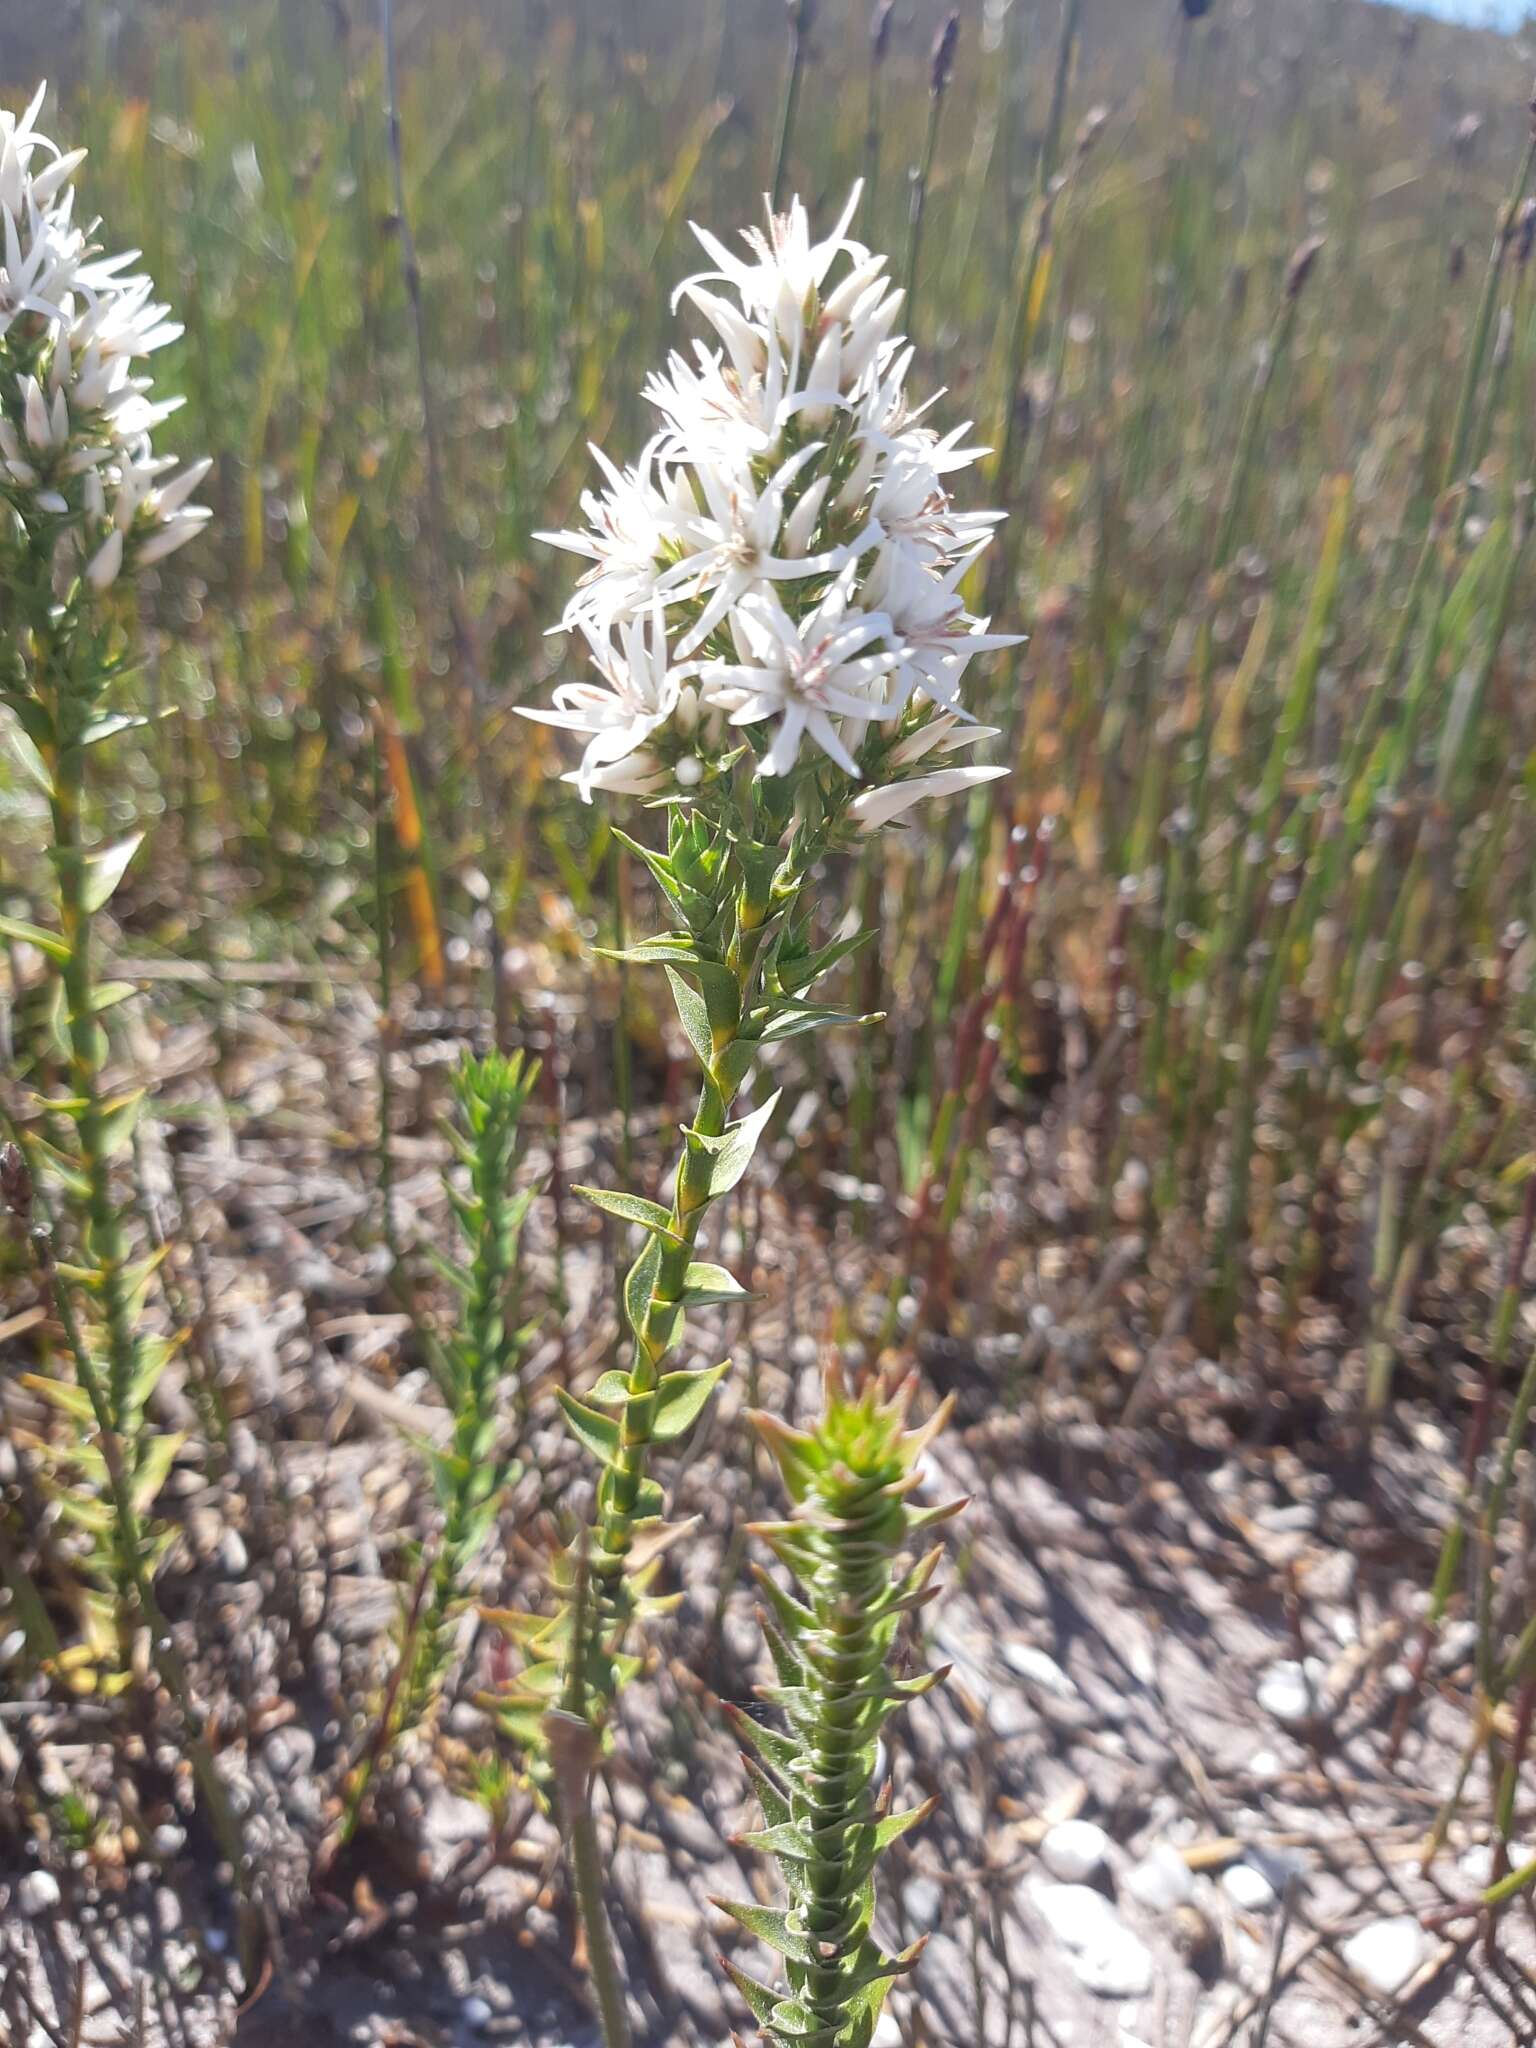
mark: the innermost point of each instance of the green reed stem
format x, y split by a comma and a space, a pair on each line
801, 14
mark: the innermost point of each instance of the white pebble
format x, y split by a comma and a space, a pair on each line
1292, 1693
476, 2012
1476, 1864
923, 1902
1106, 1956
1074, 1850
1385, 1954
1162, 1880
1008, 1715
1039, 1669
1248, 1888
38, 1892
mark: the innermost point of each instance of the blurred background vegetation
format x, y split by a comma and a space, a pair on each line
1232, 988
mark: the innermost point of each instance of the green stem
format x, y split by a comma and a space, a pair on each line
588, 1873
798, 11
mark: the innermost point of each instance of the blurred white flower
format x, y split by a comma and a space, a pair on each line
76, 421
101, 570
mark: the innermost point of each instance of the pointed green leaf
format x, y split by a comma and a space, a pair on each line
774, 1748
30, 761
108, 994
680, 948
632, 1209
34, 935
680, 1398
640, 1284
731, 1153
798, 974
693, 1014
707, 1286
759, 1998
118, 1121
155, 1461
770, 1925
107, 728
776, 1807
788, 1839
795, 1023
61, 1394
895, 1825
103, 872
597, 1433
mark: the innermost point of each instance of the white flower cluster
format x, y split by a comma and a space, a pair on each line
784, 563
77, 463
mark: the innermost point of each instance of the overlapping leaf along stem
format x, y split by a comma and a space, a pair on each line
476, 1369
827, 1819
66, 669
725, 976
477, 1366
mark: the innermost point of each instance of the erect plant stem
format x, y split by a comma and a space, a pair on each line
653, 1338
799, 12
573, 1751
105, 1248
588, 1875
167, 1661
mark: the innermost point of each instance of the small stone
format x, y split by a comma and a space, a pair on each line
289, 1752
1290, 1520
1074, 1851
1107, 1958
1039, 1669
923, 1902
234, 1559
476, 2012
1162, 1881
1385, 1954
1291, 1693
168, 1839
167, 1910
1476, 1864
1247, 1888
38, 1892
1008, 1715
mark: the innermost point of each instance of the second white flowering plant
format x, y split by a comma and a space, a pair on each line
86, 504
772, 606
